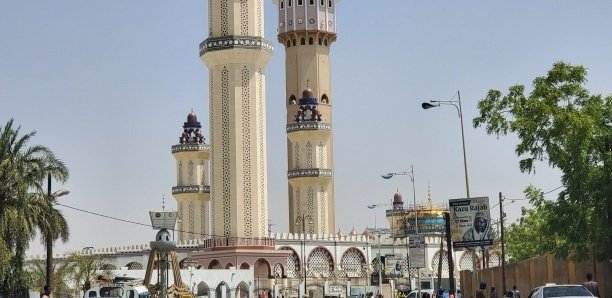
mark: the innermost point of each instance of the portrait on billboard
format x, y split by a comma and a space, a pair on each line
480, 229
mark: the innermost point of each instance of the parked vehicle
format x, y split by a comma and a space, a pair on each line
555, 291
119, 288
425, 293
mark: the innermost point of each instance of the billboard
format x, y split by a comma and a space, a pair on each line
163, 219
417, 251
470, 223
393, 266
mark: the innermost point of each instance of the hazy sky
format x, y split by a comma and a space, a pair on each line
108, 84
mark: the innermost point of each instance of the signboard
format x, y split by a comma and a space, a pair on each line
470, 223
163, 219
392, 265
417, 251
335, 290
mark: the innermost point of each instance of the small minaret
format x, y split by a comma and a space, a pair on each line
192, 181
307, 28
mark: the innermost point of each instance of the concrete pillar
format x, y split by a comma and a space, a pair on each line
348, 288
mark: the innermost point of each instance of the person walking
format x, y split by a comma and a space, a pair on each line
591, 285
515, 293
493, 293
47, 291
480, 293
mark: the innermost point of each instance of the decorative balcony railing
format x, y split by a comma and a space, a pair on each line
190, 189
311, 125
190, 147
237, 241
229, 42
310, 173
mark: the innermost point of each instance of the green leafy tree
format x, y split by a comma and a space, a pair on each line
530, 236
561, 123
24, 207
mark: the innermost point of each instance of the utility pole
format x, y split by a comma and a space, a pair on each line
49, 241
449, 247
503, 247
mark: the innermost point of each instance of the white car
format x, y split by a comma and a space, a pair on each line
554, 291
414, 293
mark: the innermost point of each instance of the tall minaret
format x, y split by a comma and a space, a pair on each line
192, 182
307, 29
236, 53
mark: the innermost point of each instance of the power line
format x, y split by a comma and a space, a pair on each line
148, 225
525, 199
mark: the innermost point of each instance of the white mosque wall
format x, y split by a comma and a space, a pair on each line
331, 248
202, 282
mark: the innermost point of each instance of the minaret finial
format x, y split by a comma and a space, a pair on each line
163, 202
428, 193
308, 83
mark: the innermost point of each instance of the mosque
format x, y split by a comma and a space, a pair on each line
221, 185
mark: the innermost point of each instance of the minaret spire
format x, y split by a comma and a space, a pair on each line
307, 29
192, 190
236, 54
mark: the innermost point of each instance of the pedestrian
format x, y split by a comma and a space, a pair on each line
480, 293
591, 285
47, 291
515, 293
493, 292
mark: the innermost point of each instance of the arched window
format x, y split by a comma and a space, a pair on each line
322, 2
282, 4
353, 263
325, 42
310, 41
311, 2
290, 2
320, 41
324, 98
292, 99
288, 43
330, 3
300, 2
215, 264
435, 263
303, 41
320, 263
293, 42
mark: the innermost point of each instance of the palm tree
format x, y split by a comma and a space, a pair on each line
62, 283
24, 208
82, 269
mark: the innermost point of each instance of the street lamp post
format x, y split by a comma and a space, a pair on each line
49, 240
416, 213
380, 267
301, 219
457, 105
379, 250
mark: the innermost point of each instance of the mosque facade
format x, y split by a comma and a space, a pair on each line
221, 185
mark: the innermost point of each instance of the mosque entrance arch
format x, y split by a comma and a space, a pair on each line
242, 290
